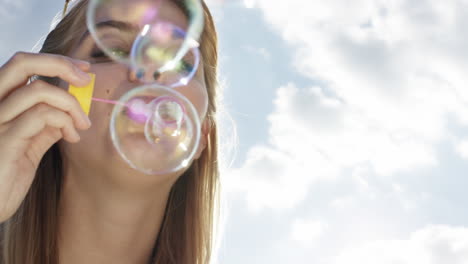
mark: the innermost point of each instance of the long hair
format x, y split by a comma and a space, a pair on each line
187, 231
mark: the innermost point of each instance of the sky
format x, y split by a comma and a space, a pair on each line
351, 121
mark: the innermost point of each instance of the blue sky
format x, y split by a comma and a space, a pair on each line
352, 121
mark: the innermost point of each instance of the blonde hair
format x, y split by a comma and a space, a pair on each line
186, 234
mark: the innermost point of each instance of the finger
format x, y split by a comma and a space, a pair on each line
42, 92
24, 65
40, 143
36, 119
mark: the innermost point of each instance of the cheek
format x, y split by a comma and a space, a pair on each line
109, 80
197, 94
109, 77
111, 83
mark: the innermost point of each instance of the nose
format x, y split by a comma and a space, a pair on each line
134, 75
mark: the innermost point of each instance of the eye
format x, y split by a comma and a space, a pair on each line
100, 56
184, 66
164, 55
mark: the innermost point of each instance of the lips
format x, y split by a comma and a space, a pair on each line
170, 110
139, 109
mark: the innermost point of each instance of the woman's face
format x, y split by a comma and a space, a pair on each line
95, 150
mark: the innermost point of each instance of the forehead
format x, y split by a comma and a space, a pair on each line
141, 12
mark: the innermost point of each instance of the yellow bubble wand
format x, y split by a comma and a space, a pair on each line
84, 95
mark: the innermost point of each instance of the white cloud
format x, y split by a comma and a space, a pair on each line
249, 3
393, 60
391, 73
307, 232
431, 245
462, 149
276, 179
312, 137
308, 119
262, 52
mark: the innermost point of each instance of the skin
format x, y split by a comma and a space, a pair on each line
108, 214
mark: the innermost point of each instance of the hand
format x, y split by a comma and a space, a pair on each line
33, 117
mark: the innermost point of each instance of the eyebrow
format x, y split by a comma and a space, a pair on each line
120, 25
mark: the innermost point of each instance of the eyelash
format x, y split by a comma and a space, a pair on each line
103, 57
98, 54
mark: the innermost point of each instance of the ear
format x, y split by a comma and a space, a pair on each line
205, 129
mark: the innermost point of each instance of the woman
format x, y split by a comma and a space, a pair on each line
66, 197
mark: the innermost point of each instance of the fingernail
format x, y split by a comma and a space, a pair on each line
82, 64
87, 120
76, 136
83, 75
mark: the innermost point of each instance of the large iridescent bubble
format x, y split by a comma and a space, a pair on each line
156, 130
157, 38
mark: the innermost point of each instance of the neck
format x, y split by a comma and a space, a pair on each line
101, 221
